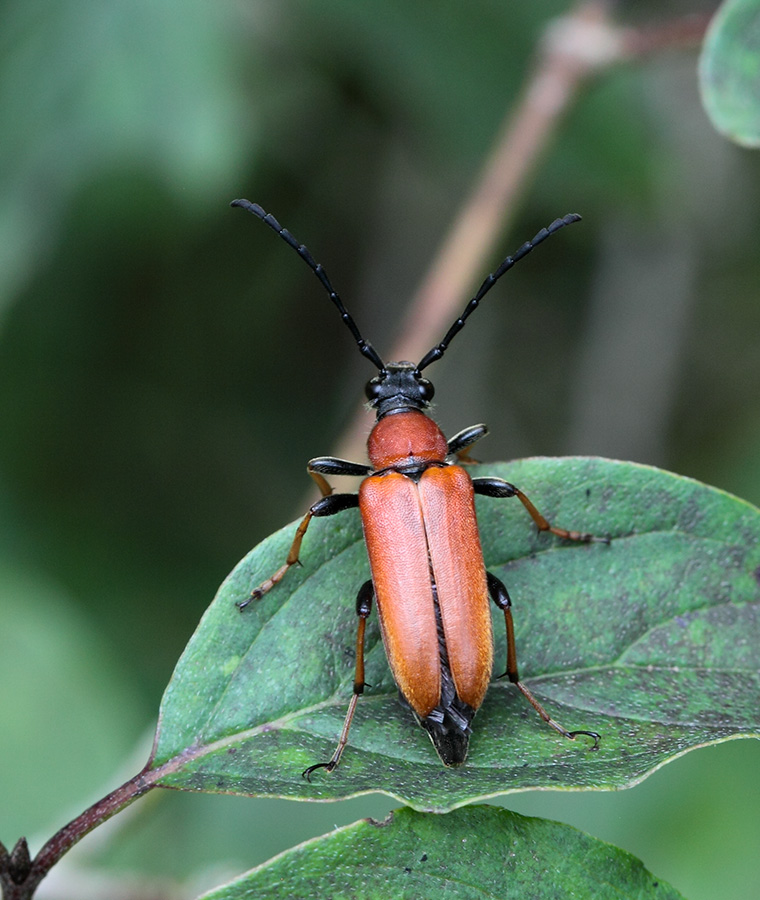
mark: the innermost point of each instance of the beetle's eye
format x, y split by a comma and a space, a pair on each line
373, 388
426, 390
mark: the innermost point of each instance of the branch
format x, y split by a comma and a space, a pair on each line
20, 877
573, 48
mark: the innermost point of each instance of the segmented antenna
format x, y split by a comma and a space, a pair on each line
365, 348
437, 352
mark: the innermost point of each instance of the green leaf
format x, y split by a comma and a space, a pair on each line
653, 641
729, 71
476, 852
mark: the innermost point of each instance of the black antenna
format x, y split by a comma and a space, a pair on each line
437, 352
365, 348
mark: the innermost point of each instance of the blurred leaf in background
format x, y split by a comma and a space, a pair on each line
90, 88
166, 370
69, 716
729, 70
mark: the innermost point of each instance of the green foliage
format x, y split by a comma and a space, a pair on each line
652, 641
469, 854
135, 84
64, 702
729, 71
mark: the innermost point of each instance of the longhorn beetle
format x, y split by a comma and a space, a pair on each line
418, 513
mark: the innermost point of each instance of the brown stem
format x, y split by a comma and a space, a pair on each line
574, 47
685, 32
19, 880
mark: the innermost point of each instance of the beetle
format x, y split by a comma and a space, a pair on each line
416, 503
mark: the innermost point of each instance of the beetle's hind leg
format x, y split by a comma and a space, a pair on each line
363, 609
328, 505
500, 597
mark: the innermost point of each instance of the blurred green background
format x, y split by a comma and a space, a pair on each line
167, 366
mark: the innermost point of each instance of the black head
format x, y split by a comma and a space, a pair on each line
400, 385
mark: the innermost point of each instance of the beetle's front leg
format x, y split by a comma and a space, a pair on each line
331, 465
497, 487
363, 609
500, 597
460, 444
328, 505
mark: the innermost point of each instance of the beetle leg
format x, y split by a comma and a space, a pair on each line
497, 487
328, 505
459, 444
363, 609
332, 465
325, 488
500, 597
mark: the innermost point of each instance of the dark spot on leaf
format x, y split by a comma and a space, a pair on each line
231, 750
757, 574
423, 858
380, 824
407, 870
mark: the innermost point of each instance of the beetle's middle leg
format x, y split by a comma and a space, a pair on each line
497, 487
328, 505
500, 597
363, 609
